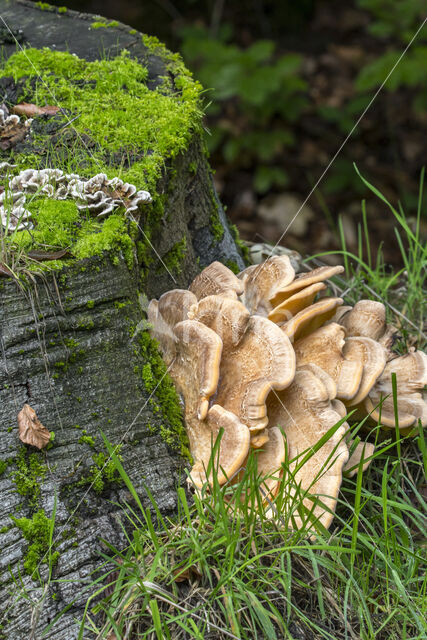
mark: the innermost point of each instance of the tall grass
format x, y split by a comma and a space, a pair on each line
402, 291
222, 569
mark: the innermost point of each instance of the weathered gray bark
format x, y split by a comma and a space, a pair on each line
69, 349
77, 367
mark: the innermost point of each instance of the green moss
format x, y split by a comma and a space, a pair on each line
112, 236
215, 225
58, 223
85, 439
86, 323
174, 257
71, 343
233, 266
62, 9
104, 25
6, 528
45, 6
30, 471
3, 466
166, 403
37, 531
90, 304
121, 305
244, 251
120, 114
127, 113
102, 472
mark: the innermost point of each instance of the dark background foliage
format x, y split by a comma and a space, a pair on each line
285, 83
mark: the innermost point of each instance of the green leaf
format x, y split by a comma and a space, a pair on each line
261, 51
266, 177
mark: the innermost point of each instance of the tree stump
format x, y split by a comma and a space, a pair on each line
74, 344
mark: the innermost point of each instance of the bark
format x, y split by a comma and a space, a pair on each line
69, 348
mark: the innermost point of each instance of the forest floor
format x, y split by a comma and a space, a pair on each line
387, 147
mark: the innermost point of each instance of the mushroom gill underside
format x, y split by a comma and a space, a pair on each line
265, 364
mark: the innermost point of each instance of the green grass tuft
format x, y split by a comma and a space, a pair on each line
221, 566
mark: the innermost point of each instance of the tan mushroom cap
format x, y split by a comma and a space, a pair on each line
161, 331
328, 382
410, 410
233, 446
295, 303
340, 312
311, 318
363, 451
269, 463
227, 317
259, 438
410, 370
411, 377
304, 280
264, 281
373, 357
324, 348
339, 407
243, 275
174, 305
216, 279
163, 314
367, 318
263, 360
195, 369
304, 412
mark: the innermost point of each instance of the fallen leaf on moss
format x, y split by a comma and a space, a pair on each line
12, 134
31, 110
47, 255
31, 430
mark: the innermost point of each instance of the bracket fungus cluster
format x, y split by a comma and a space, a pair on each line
98, 195
258, 357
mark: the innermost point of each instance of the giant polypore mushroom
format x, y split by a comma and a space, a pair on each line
227, 342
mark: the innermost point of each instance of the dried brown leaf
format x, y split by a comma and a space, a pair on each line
31, 110
11, 135
191, 574
31, 430
5, 271
47, 255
